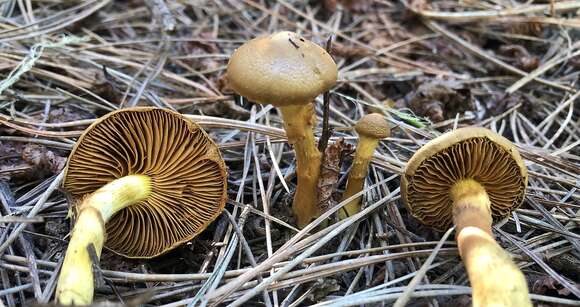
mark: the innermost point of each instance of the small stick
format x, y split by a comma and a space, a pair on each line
326, 130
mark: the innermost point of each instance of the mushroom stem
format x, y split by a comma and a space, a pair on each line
356, 178
486, 262
299, 121
75, 283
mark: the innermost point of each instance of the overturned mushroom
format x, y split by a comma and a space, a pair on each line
467, 177
288, 71
147, 180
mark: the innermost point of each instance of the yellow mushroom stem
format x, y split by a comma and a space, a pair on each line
494, 277
356, 178
299, 121
75, 283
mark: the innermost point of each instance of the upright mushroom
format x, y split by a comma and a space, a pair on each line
467, 177
371, 128
147, 180
288, 71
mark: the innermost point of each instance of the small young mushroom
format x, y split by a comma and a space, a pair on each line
371, 128
147, 180
467, 177
288, 71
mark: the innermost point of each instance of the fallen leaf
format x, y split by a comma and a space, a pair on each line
440, 99
42, 158
330, 172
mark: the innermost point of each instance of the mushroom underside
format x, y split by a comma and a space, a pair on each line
476, 158
187, 178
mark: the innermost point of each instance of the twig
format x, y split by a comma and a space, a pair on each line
326, 130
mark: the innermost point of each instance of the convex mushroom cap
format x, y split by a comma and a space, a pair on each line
374, 126
466, 153
187, 172
281, 69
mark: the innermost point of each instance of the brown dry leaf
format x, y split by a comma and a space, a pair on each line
344, 51
523, 59
528, 28
543, 284
67, 114
419, 5
8, 151
322, 287
501, 102
547, 283
330, 172
440, 99
330, 5
200, 48
104, 86
224, 108
567, 264
6, 148
42, 158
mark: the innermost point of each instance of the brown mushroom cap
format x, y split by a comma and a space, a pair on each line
281, 69
187, 171
472, 152
373, 125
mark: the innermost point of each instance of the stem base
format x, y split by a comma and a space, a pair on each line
75, 283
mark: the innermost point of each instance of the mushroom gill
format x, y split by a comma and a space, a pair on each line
475, 158
186, 171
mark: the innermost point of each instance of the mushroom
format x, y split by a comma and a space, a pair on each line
147, 180
288, 71
468, 177
371, 128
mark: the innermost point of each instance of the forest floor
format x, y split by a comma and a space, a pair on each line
428, 66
